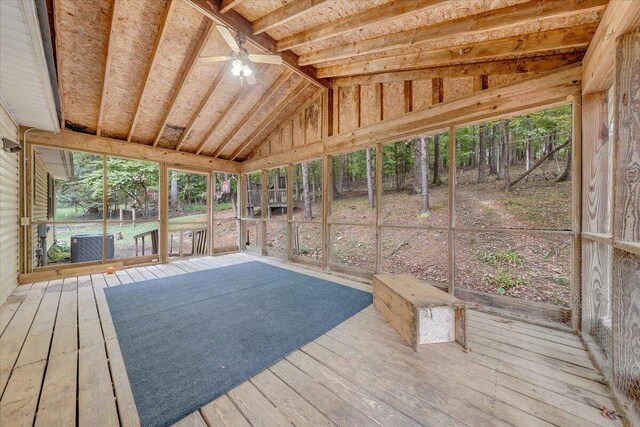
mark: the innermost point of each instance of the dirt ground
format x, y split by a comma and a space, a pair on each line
524, 265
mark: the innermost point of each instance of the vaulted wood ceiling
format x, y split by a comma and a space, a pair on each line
128, 69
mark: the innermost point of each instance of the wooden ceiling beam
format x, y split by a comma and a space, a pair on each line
620, 17
188, 69
497, 19
227, 5
107, 67
283, 15
69, 140
262, 42
269, 119
205, 100
554, 88
392, 10
535, 64
154, 56
275, 86
545, 42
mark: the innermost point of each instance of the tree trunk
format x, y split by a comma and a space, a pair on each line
437, 161
566, 175
482, 153
313, 183
173, 192
474, 152
417, 172
341, 172
308, 215
370, 186
504, 166
493, 163
424, 169
334, 177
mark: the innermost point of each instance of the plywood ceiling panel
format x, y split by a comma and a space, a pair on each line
82, 49
136, 27
184, 28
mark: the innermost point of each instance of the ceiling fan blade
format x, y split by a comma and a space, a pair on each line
251, 79
228, 37
214, 58
266, 59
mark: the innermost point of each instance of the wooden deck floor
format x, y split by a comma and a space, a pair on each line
60, 364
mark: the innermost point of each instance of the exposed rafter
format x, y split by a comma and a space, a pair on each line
203, 103
393, 10
269, 119
528, 45
275, 86
507, 17
227, 5
599, 62
107, 66
283, 14
535, 64
186, 73
263, 42
154, 56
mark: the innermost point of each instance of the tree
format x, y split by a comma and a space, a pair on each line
424, 169
504, 159
438, 160
308, 214
417, 172
173, 192
370, 186
566, 175
482, 153
494, 166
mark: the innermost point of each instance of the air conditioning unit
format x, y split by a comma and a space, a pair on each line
88, 247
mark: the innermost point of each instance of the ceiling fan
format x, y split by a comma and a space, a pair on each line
240, 56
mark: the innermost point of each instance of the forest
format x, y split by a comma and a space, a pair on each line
510, 175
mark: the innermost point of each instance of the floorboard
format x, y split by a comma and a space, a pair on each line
61, 364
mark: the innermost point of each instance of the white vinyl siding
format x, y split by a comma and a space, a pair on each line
9, 213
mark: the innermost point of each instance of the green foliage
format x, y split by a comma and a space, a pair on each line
561, 281
130, 181
503, 280
225, 206
84, 188
533, 127
58, 253
506, 258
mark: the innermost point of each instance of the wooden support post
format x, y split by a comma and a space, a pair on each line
29, 152
576, 212
378, 202
105, 208
163, 237
263, 210
242, 208
452, 209
211, 184
327, 195
289, 212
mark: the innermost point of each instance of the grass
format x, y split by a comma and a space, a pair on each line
506, 257
503, 281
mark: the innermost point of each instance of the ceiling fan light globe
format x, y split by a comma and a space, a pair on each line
236, 67
246, 71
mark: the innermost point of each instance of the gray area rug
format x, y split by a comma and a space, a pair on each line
189, 339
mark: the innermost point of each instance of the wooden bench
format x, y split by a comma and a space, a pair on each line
420, 312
